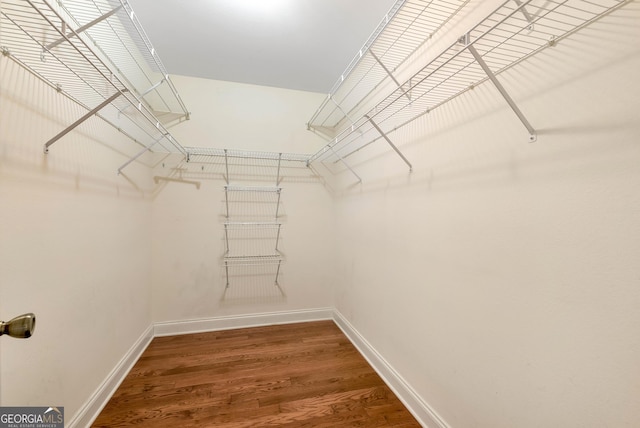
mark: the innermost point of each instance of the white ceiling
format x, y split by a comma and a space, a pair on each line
295, 44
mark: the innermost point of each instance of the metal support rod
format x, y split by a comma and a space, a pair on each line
152, 88
393, 146
226, 238
82, 119
226, 268
142, 95
226, 199
346, 164
278, 175
278, 204
503, 92
343, 112
525, 13
384, 67
140, 153
278, 237
226, 165
81, 29
278, 272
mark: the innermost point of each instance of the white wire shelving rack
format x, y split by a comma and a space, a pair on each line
252, 224
95, 53
245, 154
513, 32
401, 32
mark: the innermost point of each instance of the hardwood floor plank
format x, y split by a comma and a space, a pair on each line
295, 375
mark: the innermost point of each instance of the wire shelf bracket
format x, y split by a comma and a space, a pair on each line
75, 124
393, 146
532, 132
80, 29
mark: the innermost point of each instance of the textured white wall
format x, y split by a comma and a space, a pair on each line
188, 215
501, 278
74, 246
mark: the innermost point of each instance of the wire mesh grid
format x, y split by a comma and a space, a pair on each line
123, 43
252, 226
406, 27
39, 36
512, 33
252, 204
253, 276
245, 167
248, 281
252, 240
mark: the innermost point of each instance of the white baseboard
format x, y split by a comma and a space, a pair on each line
172, 328
92, 408
420, 410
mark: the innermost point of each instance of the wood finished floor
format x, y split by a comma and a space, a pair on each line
295, 375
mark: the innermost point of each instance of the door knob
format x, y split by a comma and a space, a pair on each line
21, 326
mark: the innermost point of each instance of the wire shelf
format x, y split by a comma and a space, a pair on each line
404, 29
73, 46
253, 240
195, 152
253, 260
251, 204
252, 274
253, 189
244, 225
513, 32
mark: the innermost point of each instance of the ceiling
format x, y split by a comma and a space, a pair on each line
294, 44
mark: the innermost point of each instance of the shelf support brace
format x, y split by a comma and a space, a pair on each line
140, 153
82, 119
502, 90
279, 163
526, 14
152, 88
226, 166
226, 200
342, 111
278, 274
384, 67
346, 164
393, 146
226, 238
278, 237
144, 94
81, 29
278, 204
226, 268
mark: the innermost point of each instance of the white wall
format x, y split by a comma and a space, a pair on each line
501, 279
187, 240
74, 246
247, 117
